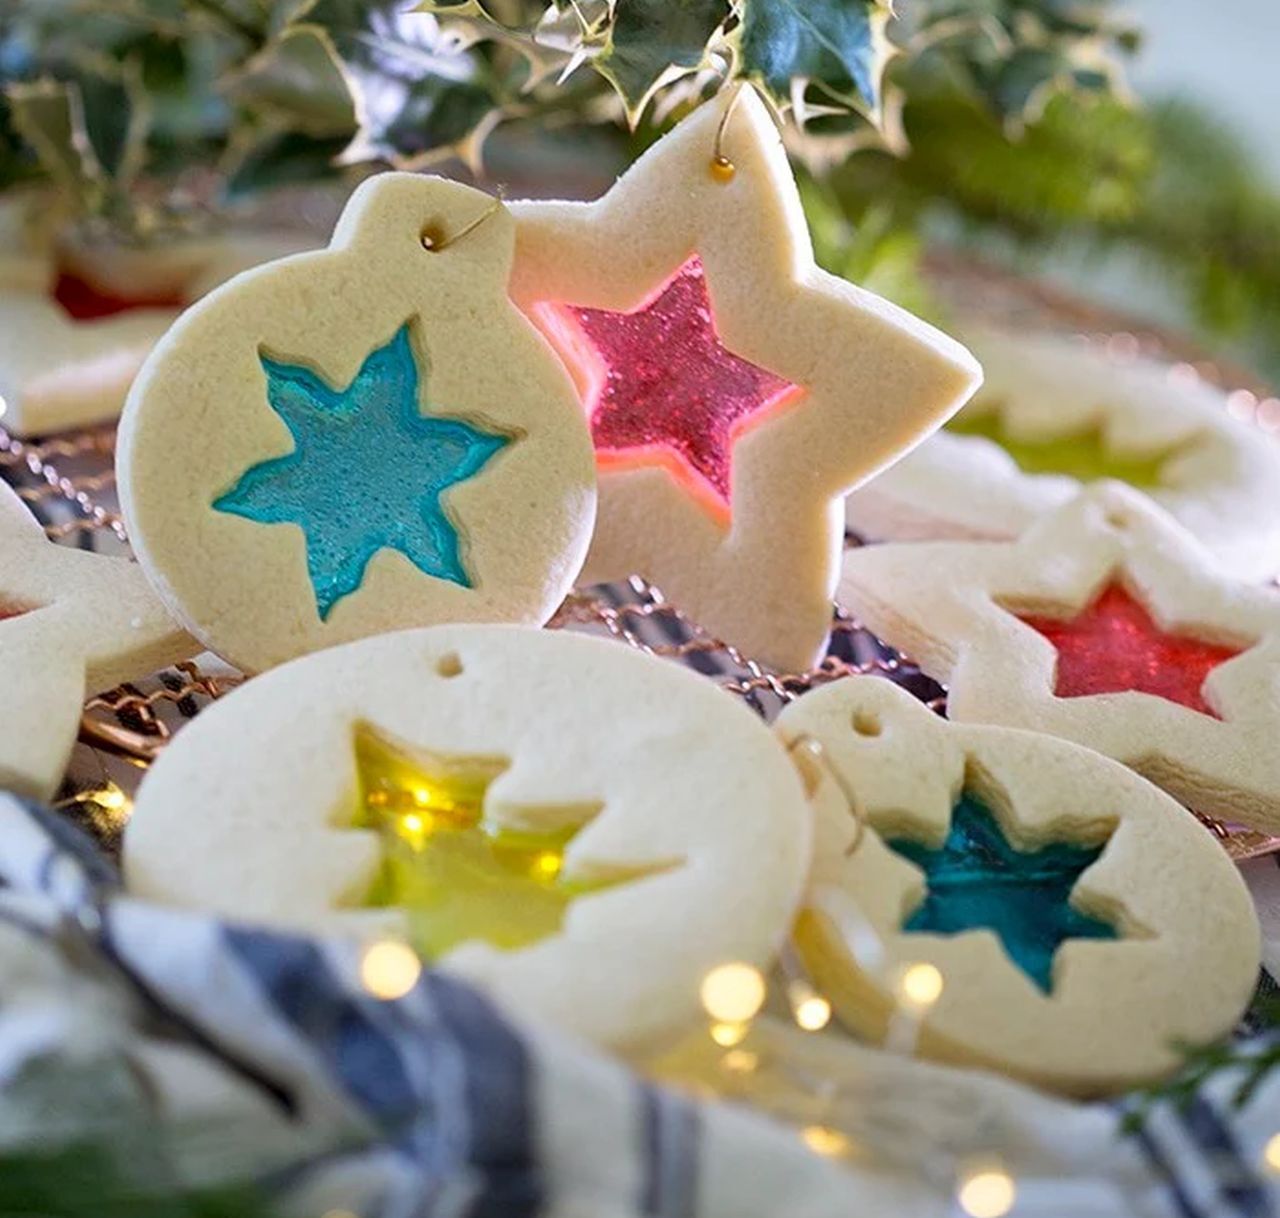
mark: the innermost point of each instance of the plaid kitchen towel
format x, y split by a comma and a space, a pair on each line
185, 1051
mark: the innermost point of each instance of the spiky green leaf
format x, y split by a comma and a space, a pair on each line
299, 76
652, 42
836, 44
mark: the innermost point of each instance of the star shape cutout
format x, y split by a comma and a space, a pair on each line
827, 384
1108, 624
457, 878
664, 389
978, 880
72, 623
368, 471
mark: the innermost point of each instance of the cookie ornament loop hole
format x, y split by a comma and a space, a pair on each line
1116, 518
431, 237
449, 665
867, 722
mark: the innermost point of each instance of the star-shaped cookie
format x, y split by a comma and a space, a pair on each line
735, 391
1108, 624
71, 623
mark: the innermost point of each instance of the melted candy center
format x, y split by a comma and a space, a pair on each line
457, 878
977, 880
1114, 646
1082, 455
662, 389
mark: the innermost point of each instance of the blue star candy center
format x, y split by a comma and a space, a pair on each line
367, 472
978, 880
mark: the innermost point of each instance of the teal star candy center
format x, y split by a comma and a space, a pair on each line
367, 472
977, 880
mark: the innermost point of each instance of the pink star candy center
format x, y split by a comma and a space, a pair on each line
1114, 646
660, 388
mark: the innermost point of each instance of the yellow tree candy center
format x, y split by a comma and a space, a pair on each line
1083, 454
456, 877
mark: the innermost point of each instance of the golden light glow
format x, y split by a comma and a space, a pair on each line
989, 1193
733, 993
389, 969
413, 823
812, 1012
1271, 1154
919, 986
740, 1061
823, 1140
726, 1035
111, 797
547, 864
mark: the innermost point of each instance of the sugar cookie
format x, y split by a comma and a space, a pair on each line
358, 440
69, 344
72, 623
735, 391
1055, 414
618, 825
1010, 900
1108, 624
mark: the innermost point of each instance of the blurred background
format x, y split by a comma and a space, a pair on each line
1124, 154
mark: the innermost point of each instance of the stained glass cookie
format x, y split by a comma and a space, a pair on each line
1003, 899
581, 829
1108, 624
735, 391
72, 623
78, 318
361, 439
1056, 414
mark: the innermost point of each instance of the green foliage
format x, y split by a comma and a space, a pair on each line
836, 46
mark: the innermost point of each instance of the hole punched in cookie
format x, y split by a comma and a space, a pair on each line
434, 239
449, 665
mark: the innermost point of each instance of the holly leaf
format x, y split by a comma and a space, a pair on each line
298, 75
283, 158
837, 45
653, 42
415, 93
47, 115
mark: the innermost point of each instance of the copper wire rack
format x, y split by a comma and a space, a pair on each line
69, 483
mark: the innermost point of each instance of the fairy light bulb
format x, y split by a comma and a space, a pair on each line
726, 1035
733, 993
811, 1011
1271, 1154
389, 969
823, 1140
987, 1193
919, 987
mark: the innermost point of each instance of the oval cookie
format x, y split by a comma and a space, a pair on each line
361, 439
581, 829
1081, 923
1056, 414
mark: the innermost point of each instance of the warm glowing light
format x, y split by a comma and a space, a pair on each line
1271, 1154
733, 993
812, 1012
413, 823
726, 1035
740, 1061
920, 986
548, 864
111, 797
390, 969
988, 1193
823, 1140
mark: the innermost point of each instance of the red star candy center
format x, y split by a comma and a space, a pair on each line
662, 389
1114, 646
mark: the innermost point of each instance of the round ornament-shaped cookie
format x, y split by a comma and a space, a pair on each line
1056, 414
1011, 900
361, 439
581, 829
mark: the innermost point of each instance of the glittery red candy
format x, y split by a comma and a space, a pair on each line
1114, 645
81, 301
662, 388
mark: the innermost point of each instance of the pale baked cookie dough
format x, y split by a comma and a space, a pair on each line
358, 440
735, 391
1108, 624
1055, 414
672, 820
1083, 927
58, 372
72, 623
